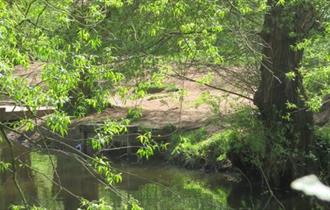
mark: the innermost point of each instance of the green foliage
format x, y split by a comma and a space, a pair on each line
252, 139
199, 188
90, 50
27, 124
21, 207
322, 148
134, 205
246, 138
202, 149
106, 132
323, 133
191, 191
59, 122
317, 83
102, 204
134, 113
291, 75
4, 166
211, 100
206, 79
194, 136
315, 66
95, 205
148, 149
103, 168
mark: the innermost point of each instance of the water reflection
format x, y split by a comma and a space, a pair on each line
8, 192
172, 188
156, 186
77, 180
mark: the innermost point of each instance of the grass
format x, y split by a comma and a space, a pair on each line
243, 139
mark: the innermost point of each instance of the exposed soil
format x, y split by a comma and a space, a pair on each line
170, 108
163, 107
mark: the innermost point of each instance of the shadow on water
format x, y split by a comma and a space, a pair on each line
155, 185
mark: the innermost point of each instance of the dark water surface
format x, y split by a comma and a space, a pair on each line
155, 185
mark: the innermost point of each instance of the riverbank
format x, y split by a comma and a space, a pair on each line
156, 185
202, 127
190, 126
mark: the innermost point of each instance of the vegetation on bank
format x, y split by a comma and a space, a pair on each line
93, 50
243, 143
243, 140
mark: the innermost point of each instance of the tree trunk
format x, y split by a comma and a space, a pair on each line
280, 97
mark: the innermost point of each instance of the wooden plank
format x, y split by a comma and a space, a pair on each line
12, 113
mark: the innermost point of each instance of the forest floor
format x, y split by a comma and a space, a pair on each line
179, 103
169, 106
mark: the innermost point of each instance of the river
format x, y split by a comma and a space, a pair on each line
155, 184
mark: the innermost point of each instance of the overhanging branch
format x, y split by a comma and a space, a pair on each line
213, 87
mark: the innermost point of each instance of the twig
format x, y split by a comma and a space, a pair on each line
13, 163
270, 189
214, 87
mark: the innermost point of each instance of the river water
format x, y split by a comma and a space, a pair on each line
157, 186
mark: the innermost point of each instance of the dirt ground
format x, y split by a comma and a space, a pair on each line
165, 108
172, 108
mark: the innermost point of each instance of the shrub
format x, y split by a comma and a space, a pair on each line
243, 143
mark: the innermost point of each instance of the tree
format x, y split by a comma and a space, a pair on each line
281, 96
90, 47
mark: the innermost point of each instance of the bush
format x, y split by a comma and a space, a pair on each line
207, 152
322, 148
243, 143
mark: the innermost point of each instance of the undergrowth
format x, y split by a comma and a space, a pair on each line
247, 144
243, 141
323, 149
